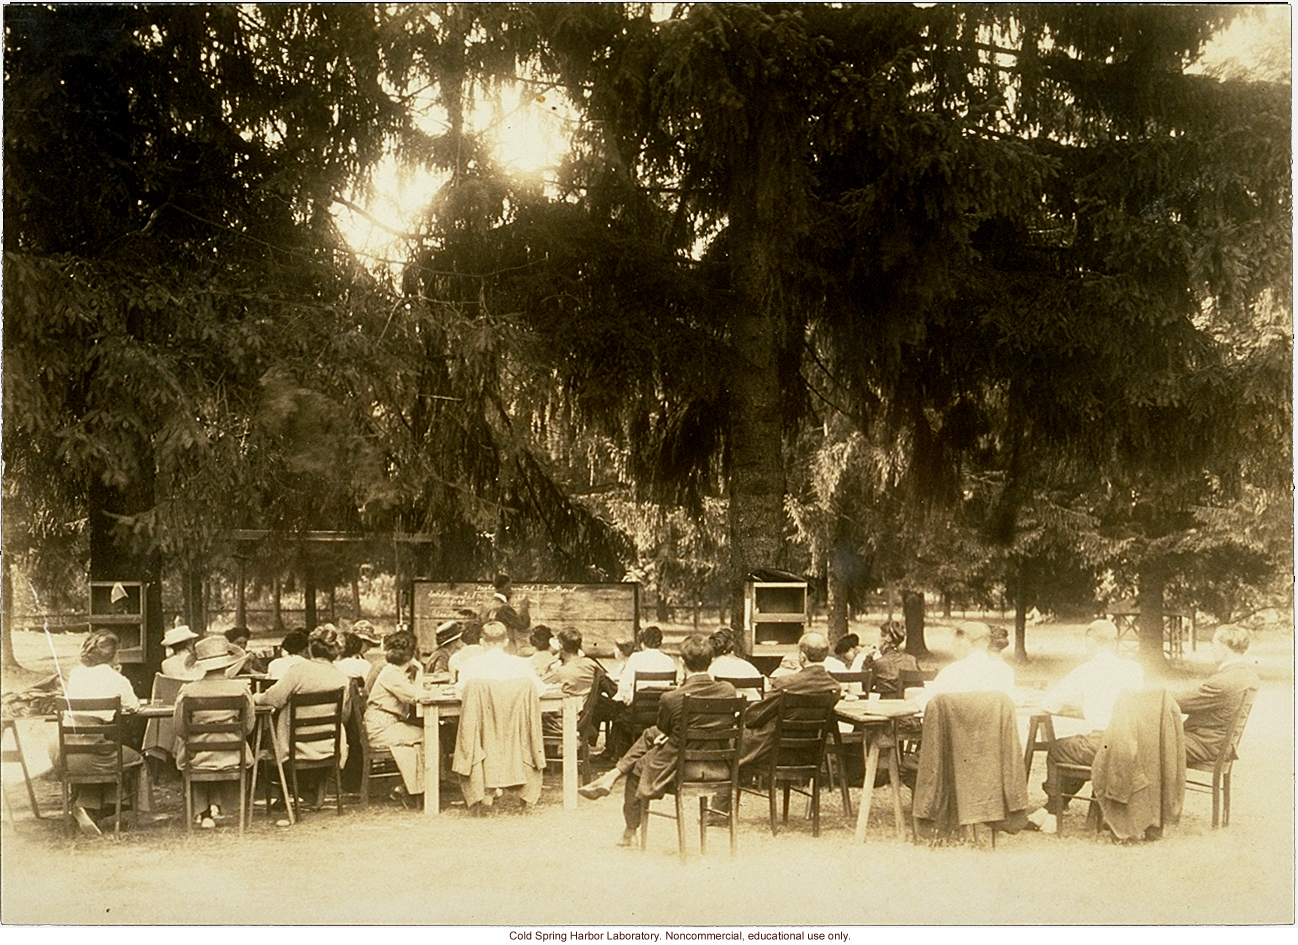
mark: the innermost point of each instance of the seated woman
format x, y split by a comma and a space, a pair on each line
213, 655
99, 677
180, 664
890, 660
356, 641
389, 709
316, 674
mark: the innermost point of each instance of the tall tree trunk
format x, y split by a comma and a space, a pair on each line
836, 590
7, 657
308, 595
192, 592
241, 595
1149, 625
356, 597
912, 607
1021, 610
277, 606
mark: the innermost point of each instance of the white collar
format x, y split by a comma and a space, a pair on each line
501, 597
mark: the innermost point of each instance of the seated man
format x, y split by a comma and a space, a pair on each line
975, 670
650, 764
470, 635
1210, 707
725, 664
811, 679
292, 649
648, 659
1091, 689
495, 663
450, 640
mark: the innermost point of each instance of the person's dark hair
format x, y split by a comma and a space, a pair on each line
399, 647
352, 644
651, 637
570, 640
472, 632
466, 613
295, 641
999, 639
892, 633
325, 642
235, 634
847, 642
696, 652
99, 648
625, 647
500, 581
540, 637
722, 642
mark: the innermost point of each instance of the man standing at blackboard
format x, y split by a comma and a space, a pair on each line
500, 609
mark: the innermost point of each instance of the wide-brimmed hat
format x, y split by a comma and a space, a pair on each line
178, 635
449, 632
365, 631
214, 653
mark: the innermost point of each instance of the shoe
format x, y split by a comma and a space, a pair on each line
1050, 824
594, 791
207, 823
628, 839
86, 823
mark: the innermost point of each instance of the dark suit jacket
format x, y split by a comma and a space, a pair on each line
658, 766
1138, 774
760, 720
1210, 708
503, 612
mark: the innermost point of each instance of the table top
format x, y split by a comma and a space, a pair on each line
879, 710
446, 695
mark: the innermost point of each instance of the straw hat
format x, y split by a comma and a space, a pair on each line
178, 635
212, 653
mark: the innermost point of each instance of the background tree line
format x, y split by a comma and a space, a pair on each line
920, 297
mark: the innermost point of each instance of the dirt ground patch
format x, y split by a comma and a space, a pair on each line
560, 868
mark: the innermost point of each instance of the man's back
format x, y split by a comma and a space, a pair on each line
649, 660
1210, 708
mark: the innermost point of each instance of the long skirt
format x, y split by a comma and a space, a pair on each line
406, 742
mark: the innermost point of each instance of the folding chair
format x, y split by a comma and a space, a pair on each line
710, 731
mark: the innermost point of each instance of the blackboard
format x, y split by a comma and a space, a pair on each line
604, 613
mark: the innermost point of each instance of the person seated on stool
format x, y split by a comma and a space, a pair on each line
649, 765
213, 656
1092, 689
1210, 706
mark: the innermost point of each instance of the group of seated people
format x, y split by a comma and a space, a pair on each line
1089, 692
327, 659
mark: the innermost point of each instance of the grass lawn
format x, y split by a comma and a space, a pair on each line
558, 868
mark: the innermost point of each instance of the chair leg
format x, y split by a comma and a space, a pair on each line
1225, 799
680, 825
243, 799
1216, 798
68, 823
788, 786
188, 788
815, 804
735, 794
297, 793
770, 794
338, 783
703, 824
121, 801
365, 781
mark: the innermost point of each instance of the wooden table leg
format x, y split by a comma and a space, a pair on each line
283, 784
894, 778
870, 746
256, 763
432, 760
1031, 749
571, 706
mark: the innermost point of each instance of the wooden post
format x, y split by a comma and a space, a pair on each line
240, 595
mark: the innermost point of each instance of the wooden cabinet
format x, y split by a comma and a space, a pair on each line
776, 615
124, 616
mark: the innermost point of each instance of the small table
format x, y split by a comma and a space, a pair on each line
1042, 722
877, 719
441, 702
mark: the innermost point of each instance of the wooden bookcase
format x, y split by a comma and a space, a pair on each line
776, 615
126, 617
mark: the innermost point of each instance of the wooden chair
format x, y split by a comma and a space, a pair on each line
83, 732
1219, 768
915, 677
228, 735
745, 682
802, 726
840, 743
376, 763
15, 754
643, 711
316, 726
710, 732
600, 687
